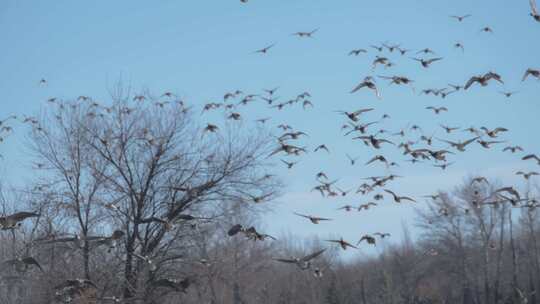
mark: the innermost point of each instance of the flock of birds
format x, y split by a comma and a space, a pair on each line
355, 126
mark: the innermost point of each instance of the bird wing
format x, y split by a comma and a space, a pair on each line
358, 87
471, 81
533, 7
313, 255
285, 261
470, 141
32, 261
19, 216
433, 60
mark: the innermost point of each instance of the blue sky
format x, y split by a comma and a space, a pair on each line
202, 49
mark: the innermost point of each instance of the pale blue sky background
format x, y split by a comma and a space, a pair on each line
202, 49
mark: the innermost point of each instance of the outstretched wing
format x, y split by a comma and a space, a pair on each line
313, 255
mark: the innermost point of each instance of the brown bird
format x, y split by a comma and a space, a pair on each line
483, 79
493, 133
460, 146
532, 156
14, 220
313, 219
368, 238
378, 158
375, 142
399, 199
344, 244
368, 83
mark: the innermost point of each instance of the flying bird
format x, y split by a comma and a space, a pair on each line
15, 220
483, 79
342, 243
313, 219
265, 49
399, 199
461, 18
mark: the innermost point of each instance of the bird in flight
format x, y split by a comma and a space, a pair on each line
483, 79
369, 83
313, 219
265, 49
461, 18
343, 244
306, 34
304, 262
357, 52
426, 62
532, 72
399, 199
532, 156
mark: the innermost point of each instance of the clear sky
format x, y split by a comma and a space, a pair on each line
202, 49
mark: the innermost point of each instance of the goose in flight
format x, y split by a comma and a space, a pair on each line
313, 219
483, 79
382, 235
532, 73
15, 220
357, 52
265, 49
398, 199
342, 243
304, 262
306, 34
461, 18
22, 264
532, 156
460, 146
527, 175
437, 110
368, 238
493, 133
513, 149
368, 83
